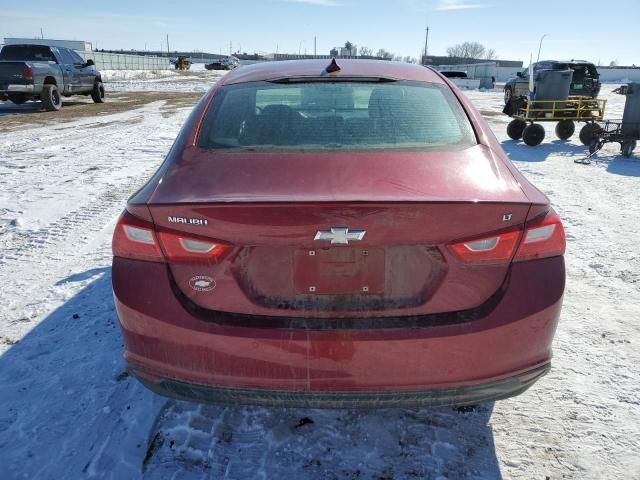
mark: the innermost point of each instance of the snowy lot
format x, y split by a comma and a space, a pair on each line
68, 410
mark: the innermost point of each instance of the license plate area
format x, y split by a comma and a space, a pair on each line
339, 270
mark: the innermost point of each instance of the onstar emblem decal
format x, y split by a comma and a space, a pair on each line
202, 283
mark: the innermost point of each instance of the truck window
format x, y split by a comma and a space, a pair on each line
67, 59
77, 59
27, 53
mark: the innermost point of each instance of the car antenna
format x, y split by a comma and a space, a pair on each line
333, 66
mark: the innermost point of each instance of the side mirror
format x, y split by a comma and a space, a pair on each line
90, 63
519, 74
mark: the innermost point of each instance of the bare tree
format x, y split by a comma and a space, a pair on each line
365, 52
383, 53
613, 63
351, 48
490, 54
409, 59
471, 50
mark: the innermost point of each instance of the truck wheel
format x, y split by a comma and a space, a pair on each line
17, 98
508, 93
515, 128
564, 129
97, 94
588, 132
533, 134
51, 98
628, 147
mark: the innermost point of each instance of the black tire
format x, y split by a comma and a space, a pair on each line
564, 129
97, 94
588, 132
17, 98
508, 93
51, 98
515, 128
628, 147
533, 134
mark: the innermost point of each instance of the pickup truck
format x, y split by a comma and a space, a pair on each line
32, 72
585, 83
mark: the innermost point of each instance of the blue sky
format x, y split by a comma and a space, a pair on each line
578, 29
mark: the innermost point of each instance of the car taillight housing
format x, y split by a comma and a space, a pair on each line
179, 248
496, 248
542, 237
137, 239
27, 73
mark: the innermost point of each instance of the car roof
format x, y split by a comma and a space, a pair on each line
266, 71
567, 62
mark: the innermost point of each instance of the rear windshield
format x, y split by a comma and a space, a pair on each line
29, 53
336, 116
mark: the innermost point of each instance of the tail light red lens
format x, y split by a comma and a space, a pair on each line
541, 238
183, 249
137, 239
27, 73
498, 248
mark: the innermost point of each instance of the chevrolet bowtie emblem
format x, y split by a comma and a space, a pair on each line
340, 235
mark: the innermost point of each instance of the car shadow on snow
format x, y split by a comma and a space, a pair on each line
68, 408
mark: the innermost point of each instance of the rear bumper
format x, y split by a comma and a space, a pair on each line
456, 396
461, 361
17, 88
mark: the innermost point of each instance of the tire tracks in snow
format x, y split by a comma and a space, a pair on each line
101, 178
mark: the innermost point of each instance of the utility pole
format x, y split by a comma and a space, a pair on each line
41, 34
230, 48
315, 53
426, 46
168, 49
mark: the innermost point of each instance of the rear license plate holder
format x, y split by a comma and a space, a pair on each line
339, 271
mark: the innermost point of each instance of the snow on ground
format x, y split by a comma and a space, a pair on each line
196, 79
68, 410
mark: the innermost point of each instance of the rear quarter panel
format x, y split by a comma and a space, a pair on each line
486, 137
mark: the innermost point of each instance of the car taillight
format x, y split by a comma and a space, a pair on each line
135, 238
179, 248
27, 72
497, 248
543, 237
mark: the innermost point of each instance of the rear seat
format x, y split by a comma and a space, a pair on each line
281, 125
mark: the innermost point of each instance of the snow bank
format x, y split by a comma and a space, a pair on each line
121, 75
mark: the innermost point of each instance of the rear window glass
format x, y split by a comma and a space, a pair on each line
337, 116
30, 53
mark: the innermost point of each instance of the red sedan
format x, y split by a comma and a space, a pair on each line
342, 235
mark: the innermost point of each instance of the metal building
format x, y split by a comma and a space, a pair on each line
77, 45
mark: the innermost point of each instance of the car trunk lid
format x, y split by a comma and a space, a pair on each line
340, 233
